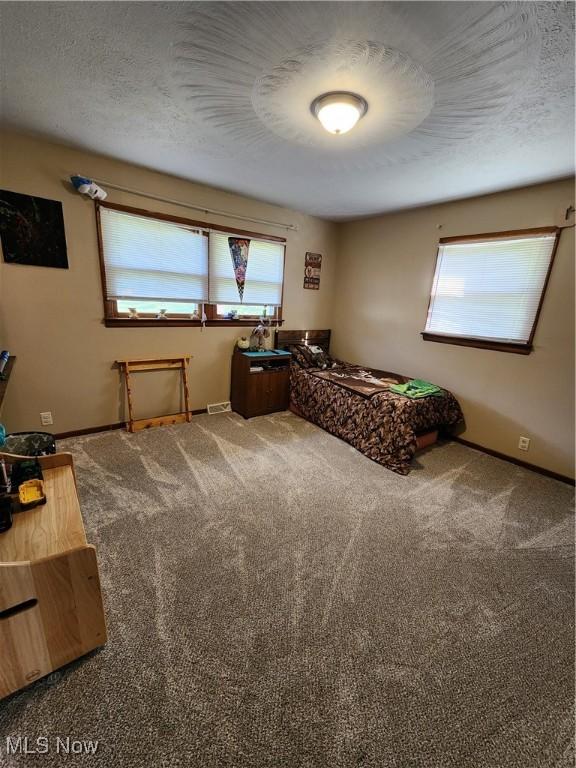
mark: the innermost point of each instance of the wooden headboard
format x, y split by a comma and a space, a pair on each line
285, 339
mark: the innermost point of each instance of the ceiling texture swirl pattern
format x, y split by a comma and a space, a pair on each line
464, 97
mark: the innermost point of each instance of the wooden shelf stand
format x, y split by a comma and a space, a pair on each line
156, 364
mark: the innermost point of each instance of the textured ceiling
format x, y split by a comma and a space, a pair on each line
464, 98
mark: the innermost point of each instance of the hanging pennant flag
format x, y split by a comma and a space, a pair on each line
239, 253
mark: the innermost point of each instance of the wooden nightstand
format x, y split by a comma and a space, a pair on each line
258, 392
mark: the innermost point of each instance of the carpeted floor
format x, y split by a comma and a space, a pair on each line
276, 600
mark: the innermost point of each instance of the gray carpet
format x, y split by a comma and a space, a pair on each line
276, 599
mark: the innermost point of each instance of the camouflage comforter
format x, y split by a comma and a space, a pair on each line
383, 427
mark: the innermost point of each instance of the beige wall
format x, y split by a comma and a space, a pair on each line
384, 275
52, 318
373, 294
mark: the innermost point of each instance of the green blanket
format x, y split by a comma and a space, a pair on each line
416, 388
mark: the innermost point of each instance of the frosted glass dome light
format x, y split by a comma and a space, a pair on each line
339, 111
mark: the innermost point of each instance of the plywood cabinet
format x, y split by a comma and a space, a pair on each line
255, 393
50, 602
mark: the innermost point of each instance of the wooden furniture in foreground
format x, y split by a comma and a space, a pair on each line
50, 602
156, 364
5, 376
258, 393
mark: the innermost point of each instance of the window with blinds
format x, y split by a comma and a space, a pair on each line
487, 290
151, 260
245, 270
156, 268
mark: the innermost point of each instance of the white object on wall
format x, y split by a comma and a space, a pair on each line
88, 187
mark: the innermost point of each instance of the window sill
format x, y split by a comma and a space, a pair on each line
498, 346
172, 322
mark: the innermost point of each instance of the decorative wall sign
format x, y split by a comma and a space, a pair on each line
32, 231
312, 266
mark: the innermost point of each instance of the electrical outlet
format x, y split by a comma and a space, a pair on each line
524, 443
46, 418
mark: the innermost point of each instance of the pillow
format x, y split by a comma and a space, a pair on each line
306, 358
299, 358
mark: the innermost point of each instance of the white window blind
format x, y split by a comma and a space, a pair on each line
254, 278
490, 289
147, 258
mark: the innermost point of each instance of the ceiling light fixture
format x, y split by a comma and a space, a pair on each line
339, 111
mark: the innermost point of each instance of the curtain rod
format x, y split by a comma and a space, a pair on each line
202, 208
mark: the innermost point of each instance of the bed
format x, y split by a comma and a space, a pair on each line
355, 403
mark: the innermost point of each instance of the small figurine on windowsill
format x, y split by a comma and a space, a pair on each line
161, 315
133, 313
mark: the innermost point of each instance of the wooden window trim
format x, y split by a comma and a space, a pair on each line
495, 344
466, 341
188, 222
174, 322
113, 319
511, 233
